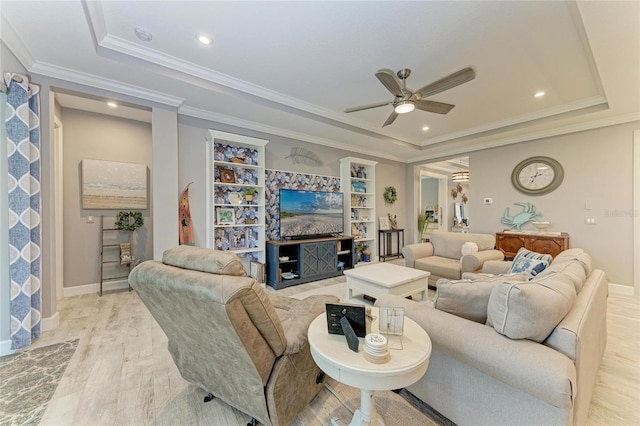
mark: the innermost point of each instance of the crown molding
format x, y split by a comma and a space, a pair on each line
15, 44
505, 124
95, 18
252, 125
548, 133
226, 83
79, 77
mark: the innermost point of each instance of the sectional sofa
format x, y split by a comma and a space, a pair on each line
533, 361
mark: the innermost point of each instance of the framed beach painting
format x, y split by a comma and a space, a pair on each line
113, 185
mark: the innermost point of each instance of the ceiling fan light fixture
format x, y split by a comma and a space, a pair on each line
404, 107
460, 177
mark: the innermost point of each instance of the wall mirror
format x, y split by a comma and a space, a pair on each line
458, 213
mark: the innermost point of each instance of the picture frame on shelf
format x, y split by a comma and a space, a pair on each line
383, 223
227, 175
225, 216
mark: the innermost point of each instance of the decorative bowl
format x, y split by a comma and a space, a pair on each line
542, 226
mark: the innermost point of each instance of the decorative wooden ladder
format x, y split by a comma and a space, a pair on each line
112, 246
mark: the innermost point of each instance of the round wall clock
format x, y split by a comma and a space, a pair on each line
537, 175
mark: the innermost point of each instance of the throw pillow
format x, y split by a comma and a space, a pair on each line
466, 298
468, 248
530, 310
530, 262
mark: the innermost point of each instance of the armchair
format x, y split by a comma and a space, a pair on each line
442, 255
228, 336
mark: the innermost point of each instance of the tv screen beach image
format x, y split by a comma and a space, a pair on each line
310, 213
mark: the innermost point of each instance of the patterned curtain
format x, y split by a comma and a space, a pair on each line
23, 153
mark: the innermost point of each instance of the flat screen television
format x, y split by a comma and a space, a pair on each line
310, 213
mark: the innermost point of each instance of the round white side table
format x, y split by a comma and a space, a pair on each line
406, 366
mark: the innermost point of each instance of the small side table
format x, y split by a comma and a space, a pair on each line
406, 366
385, 248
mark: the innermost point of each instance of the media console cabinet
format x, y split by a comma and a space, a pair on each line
292, 262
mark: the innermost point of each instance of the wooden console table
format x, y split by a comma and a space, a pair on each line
510, 242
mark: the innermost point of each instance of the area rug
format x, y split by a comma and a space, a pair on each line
28, 380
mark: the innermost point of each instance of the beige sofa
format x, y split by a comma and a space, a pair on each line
228, 336
478, 376
442, 255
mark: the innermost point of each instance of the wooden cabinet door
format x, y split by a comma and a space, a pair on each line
552, 246
509, 244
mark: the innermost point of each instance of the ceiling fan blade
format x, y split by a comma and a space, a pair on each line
389, 79
433, 106
448, 82
391, 118
363, 107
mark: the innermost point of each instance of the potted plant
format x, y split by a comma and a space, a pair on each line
359, 248
422, 223
248, 194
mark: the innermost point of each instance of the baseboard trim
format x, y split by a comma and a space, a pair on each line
5, 347
50, 323
622, 290
94, 288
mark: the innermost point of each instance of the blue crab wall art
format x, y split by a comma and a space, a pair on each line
527, 215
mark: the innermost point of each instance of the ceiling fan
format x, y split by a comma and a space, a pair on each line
407, 100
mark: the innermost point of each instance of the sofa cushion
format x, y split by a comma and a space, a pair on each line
449, 244
441, 266
575, 254
521, 276
204, 260
572, 269
468, 298
529, 261
530, 310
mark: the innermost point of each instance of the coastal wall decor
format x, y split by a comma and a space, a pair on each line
528, 214
304, 156
278, 179
113, 185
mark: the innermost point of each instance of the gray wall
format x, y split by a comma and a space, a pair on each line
89, 135
193, 133
598, 175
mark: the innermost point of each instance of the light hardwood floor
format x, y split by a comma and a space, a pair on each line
122, 374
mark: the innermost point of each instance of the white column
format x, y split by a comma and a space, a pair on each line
164, 180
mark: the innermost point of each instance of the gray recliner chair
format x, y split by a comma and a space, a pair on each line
228, 336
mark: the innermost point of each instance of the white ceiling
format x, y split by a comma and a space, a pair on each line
291, 68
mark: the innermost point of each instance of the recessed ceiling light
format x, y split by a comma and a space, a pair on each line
112, 104
425, 128
203, 39
142, 34
539, 94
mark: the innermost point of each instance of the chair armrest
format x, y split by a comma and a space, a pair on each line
413, 252
473, 262
496, 267
297, 316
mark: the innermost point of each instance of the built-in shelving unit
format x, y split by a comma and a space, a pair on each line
236, 222
358, 183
